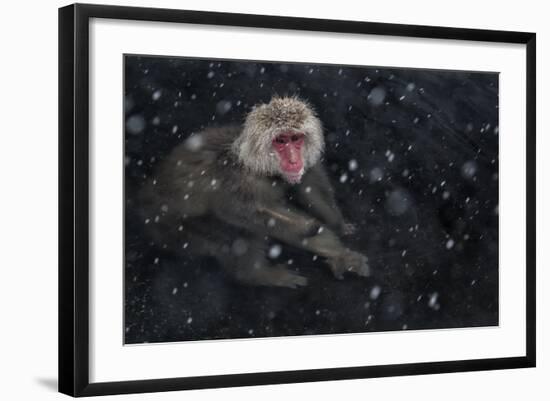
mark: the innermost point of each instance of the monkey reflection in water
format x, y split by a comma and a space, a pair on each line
224, 193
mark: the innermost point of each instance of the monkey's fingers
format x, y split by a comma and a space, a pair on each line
338, 266
363, 268
349, 261
288, 278
360, 265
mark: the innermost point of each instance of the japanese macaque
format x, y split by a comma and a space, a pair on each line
225, 193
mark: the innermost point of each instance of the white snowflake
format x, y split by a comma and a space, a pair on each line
157, 94
375, 292
275, 251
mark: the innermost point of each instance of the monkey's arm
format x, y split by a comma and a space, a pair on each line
307, 233
317, 195
292, 227
281, 222
269, 215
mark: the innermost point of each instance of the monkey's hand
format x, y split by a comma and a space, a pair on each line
287, 222
349, 261
283, 277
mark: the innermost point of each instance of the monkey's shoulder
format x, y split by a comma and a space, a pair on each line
219, 138
211, 140
200, 151
206, 160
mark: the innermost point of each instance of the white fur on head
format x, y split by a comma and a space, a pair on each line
253, 147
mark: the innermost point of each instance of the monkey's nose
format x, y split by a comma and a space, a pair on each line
293, 156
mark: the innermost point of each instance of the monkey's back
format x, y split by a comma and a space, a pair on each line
186, 179
198, 186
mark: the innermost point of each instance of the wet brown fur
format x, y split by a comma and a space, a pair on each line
220, 194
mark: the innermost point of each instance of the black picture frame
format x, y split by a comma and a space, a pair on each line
74, 198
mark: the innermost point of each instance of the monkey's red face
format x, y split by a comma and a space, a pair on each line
288, 146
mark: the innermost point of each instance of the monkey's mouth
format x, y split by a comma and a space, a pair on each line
294, 178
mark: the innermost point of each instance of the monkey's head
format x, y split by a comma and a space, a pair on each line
283, 137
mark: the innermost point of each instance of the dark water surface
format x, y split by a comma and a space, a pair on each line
413, 156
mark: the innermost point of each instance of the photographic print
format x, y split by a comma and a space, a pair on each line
267, 199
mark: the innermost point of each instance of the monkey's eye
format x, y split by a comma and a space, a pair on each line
294, 138
280, 140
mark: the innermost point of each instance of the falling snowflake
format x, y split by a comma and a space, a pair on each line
375, 292
157, 94
275, 251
